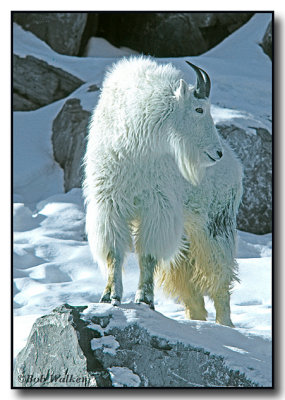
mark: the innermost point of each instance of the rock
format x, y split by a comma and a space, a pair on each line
254, 149
131, 345
56, 355
21, 103
36, 83
266, 43
169, 34
68, 138
165, 34
61, 31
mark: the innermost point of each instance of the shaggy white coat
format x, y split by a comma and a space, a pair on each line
149, 177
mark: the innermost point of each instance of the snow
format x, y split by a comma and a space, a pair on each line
108, 343
100, 47
124, 377
33, 155
52, 261
245, 73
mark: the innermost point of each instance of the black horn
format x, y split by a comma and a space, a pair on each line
203, 82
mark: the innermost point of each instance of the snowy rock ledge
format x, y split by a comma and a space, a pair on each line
131, 346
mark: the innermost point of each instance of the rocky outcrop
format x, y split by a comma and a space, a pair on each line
68, 138
254, 149
36, 83
54, 356
131, 345
266, 42
169, 34
61, 31
164, 34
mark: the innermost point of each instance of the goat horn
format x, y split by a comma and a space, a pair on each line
203, 82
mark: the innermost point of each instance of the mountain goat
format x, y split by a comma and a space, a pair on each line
157, 175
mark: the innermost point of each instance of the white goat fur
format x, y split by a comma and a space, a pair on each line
148, 177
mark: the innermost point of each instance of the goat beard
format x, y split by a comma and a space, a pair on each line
187, 160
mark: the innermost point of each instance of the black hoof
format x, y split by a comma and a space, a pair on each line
147, 303
106, 298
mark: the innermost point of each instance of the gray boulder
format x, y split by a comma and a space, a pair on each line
169, 34
54, 355
68, 138
266, 42
61, 31
36, 83
164, 34
255, 152
131, 346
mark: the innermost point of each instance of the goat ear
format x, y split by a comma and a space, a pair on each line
183, 91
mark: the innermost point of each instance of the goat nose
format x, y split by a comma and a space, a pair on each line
220, 154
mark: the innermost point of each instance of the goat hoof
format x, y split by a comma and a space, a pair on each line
106, 298
115, 301
226, 323
146, 302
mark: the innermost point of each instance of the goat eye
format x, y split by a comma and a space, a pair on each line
199, 110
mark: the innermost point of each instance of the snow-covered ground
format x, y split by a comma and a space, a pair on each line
53, 265
52, 261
